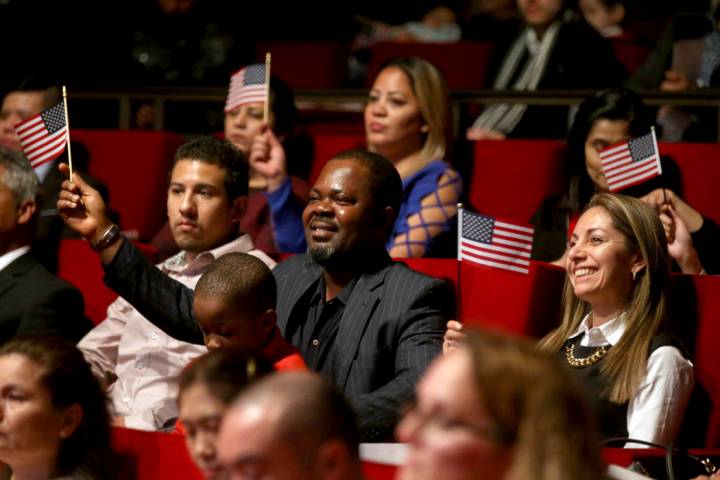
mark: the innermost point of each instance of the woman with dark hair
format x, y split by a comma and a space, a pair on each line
606, 118
208, 386
54, 422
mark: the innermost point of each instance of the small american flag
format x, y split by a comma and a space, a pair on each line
489, 241
246, 86
631, 162
43, 137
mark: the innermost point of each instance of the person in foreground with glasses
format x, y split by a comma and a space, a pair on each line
496, 407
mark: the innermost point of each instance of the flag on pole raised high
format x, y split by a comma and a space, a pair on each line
631, 162
43, 137
247, 85
494, 243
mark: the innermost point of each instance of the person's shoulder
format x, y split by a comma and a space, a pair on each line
399, 273
295, 264
33, 272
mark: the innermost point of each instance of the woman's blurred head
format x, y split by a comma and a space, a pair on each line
407, 110
606, 118
207, 387
52, 409
243, 121
482, 413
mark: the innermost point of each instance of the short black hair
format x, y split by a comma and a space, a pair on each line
37, 83
222, 153
240, 279
383, 181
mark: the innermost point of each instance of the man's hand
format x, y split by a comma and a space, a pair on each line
674, 82
267, 157
81, 207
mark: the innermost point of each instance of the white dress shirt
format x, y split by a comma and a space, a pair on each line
656, 409
144, 361
9, 257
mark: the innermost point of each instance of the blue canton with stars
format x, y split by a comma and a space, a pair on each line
642, 148
477, 228
254, 74
54, 118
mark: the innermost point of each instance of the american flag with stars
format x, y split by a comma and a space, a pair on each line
631, 162
488, 241
43, 137
246, 86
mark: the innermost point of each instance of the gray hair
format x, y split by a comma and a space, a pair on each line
18, 176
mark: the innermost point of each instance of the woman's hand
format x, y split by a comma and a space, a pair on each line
267, 157
483, 134
454, 336
662, 196
680, 246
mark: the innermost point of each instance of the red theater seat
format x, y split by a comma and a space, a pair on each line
512, 302
444, 268
326, 145
630, 53
79, 265
511, 178
464, 64
154, 455
134, 165
699, 165
309, 65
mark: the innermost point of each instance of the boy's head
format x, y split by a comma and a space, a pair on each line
234, 303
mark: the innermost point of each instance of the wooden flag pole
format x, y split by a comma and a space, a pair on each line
67, 127
266, 111
458, 304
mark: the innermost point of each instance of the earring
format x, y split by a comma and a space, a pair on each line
634, 275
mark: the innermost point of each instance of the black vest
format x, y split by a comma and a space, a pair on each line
612, 417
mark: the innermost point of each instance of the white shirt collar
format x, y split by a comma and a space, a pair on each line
9, 257
178, 263
609, 332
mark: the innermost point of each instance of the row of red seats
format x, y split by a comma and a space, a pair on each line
526, 305
509, 179
464, 64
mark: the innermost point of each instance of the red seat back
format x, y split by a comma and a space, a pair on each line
326, 145
511, 178
629, 53
80, 265
134, 165
464, 64
699, 165
307, 65
513, 302
155, 455
443, 268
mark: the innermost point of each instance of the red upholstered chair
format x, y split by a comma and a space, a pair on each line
512, 302
464, 64
134, 165
444, 268
79, 265
511, 178
699, 165
154, 455
326, 145
308, 65
696, 318
631, 54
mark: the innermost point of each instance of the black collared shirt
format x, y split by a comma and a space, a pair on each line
314, 326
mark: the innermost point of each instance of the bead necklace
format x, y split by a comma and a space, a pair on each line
587, 361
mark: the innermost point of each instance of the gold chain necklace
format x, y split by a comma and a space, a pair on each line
587, 361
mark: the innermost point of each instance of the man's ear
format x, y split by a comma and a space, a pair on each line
268, 320
239, 206
334, 461
25, 211
72, 417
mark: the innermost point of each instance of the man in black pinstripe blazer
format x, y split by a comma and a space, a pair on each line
368, 324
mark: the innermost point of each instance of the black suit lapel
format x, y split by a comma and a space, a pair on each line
10, 274
359, 310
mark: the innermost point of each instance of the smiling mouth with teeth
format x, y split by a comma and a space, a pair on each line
582, 272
